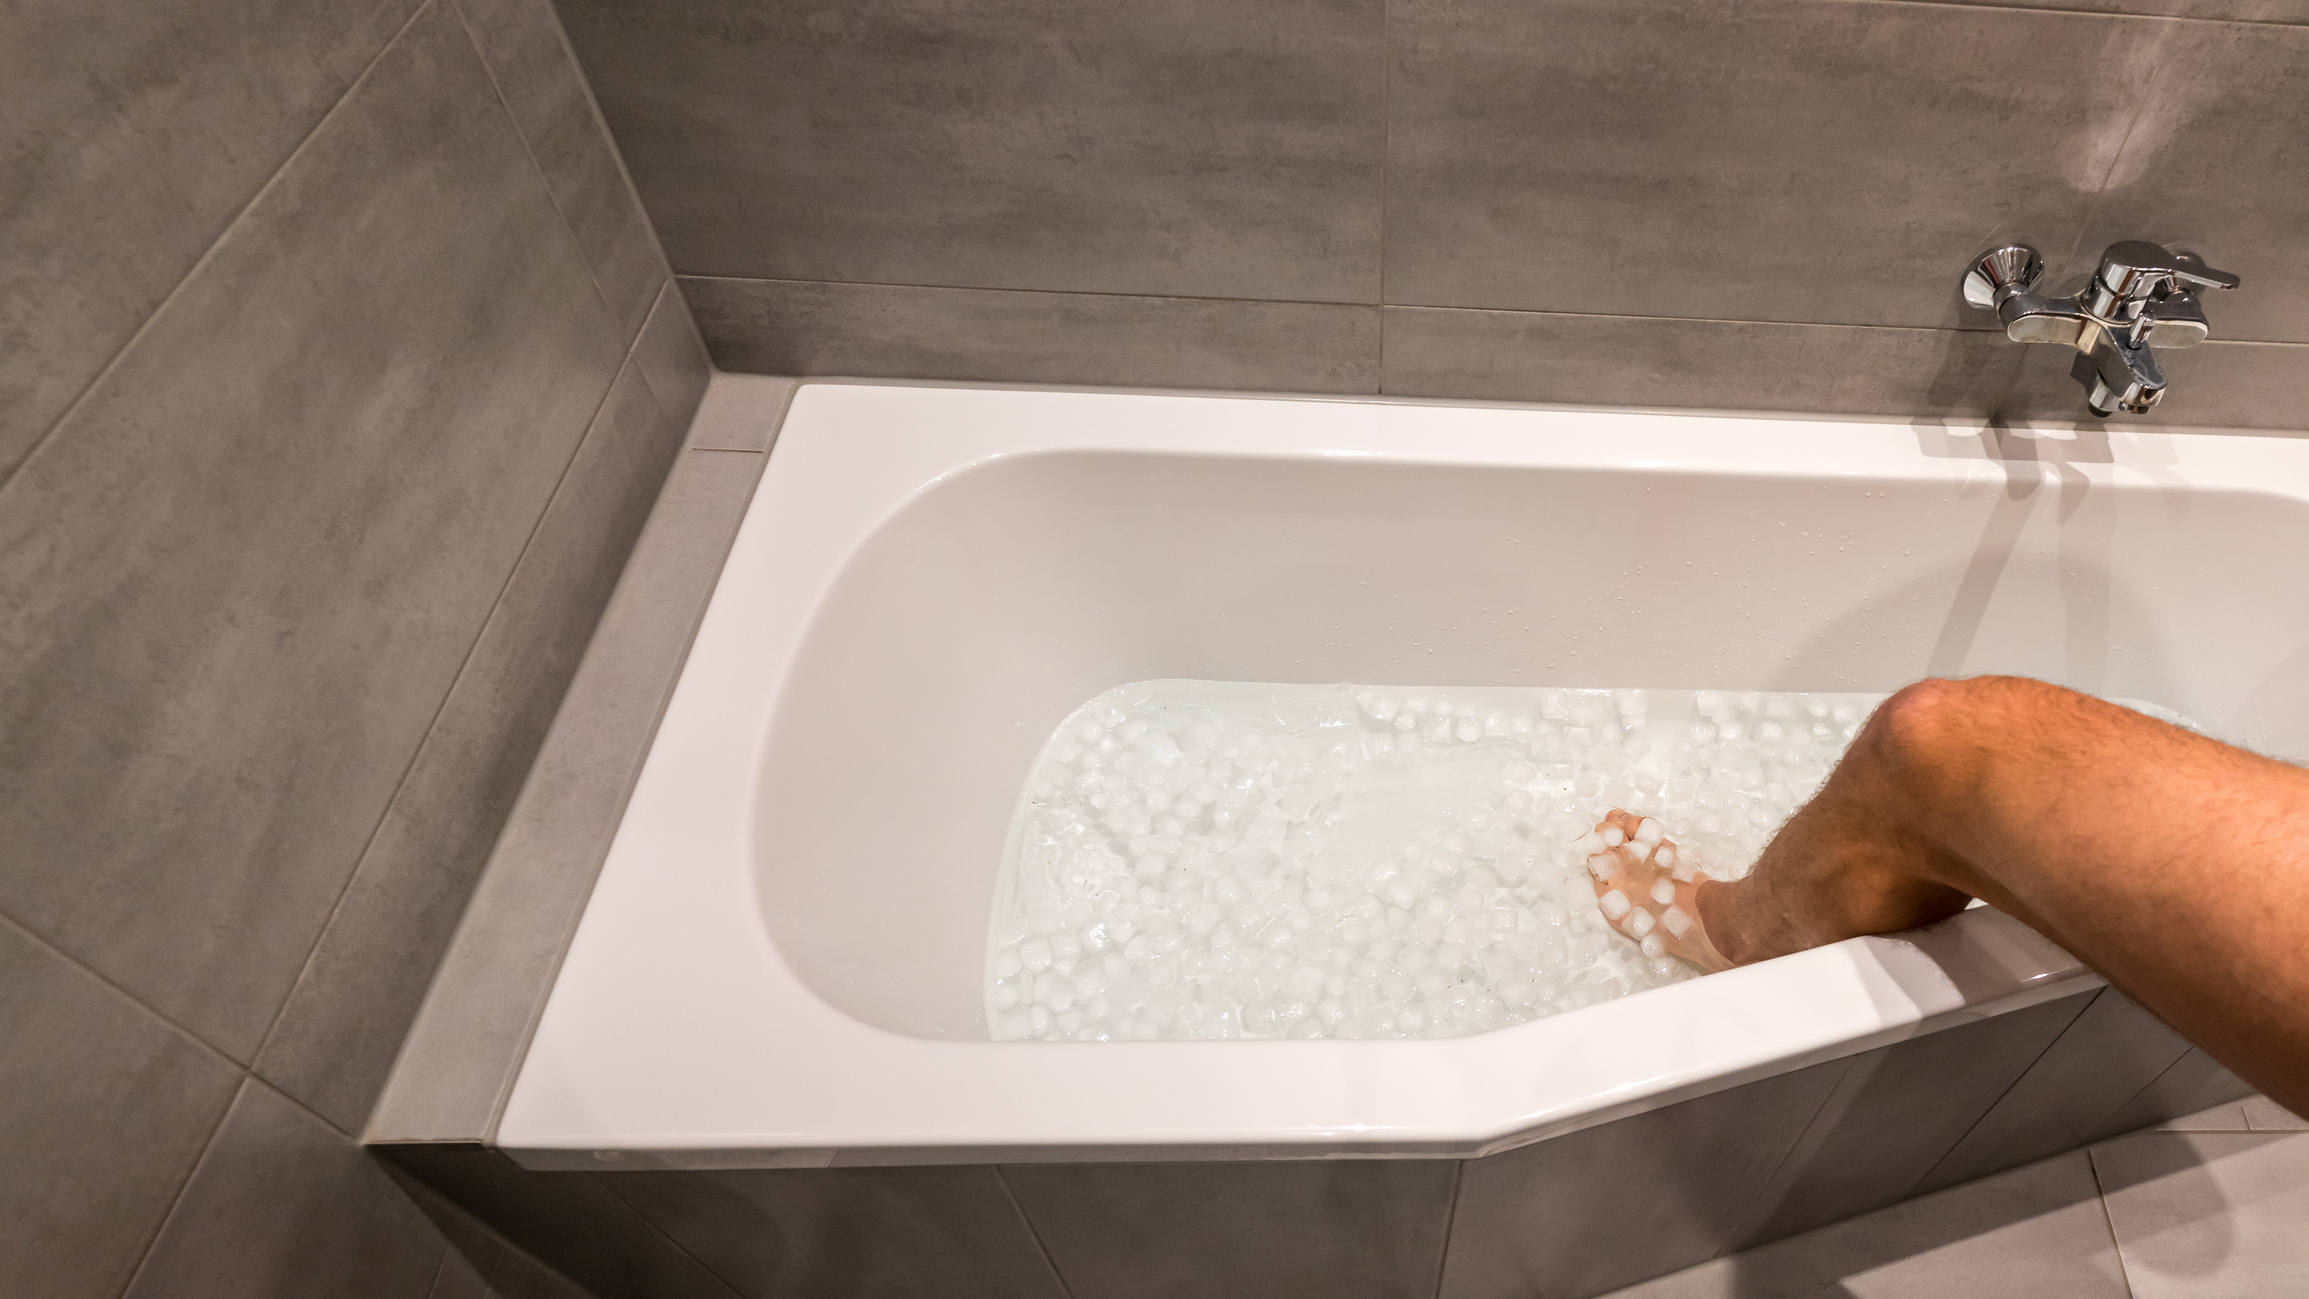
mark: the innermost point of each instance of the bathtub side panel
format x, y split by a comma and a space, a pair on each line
1613, 1205
1345, 1229
1896, 1113
2113, 1051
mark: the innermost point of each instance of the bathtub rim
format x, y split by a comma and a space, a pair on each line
524, 1141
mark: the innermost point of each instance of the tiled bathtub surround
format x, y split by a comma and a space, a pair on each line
1663, 202
1704, 1178
340, 369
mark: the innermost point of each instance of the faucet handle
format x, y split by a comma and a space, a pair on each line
2013, 266
2134, 270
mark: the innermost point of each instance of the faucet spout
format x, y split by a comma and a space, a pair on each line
2117, 373
2139, 293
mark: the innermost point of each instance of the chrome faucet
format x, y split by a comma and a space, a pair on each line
2140, 295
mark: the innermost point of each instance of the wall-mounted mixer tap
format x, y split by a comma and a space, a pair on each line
2141, 294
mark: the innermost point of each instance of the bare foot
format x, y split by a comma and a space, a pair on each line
1647, 891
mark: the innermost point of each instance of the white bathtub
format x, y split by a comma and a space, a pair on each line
780, 964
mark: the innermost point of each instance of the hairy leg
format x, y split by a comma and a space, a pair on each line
2176, 866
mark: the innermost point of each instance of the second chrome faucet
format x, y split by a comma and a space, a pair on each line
2139, 295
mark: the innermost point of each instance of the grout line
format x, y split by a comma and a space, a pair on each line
1015, 1207
2124, 1273
1450, 1225
604, 1181
176, 1201
433, 724
33, 936
2017, 1079
1762, 1211
1385, 307
2083, 13
537, 168
602, 132
1386, 164
9, 474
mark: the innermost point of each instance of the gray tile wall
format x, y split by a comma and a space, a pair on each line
338, 369
1653, 202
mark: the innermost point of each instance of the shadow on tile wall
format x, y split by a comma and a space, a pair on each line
1651, 202
338, 369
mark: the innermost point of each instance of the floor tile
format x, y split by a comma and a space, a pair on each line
246, 570
104, 1109
1157, 147
2265, 1115
284, 1205
2035, 1232
2200, 1215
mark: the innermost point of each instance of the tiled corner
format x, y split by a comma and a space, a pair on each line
546, 93
867, 330
849, 1233
1643, 361
673, 357
397, 346
1610, 1205
2265, 1115
461, 1054
283, 1204
137, 129
1895, 1113
2036, 1232
337, 1037
2105, 1057
103, 1110
1781, 161
1352, 1229
1162, 147
741, 412
2200, 1215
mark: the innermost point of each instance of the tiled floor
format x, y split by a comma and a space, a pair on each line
2213, 1204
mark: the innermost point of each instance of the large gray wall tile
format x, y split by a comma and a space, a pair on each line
2031, 1233
103, 1110
2101, 1061
788, 327
2209, 1215
1163, 147
282, 1204
849, 1233
538, 77
2218, 163
1895, 1113
1641, 361
1579, 1214
131, 133
1784, 160
336, 1038
1353, 1229
567, 1220
461, 1055
241, 578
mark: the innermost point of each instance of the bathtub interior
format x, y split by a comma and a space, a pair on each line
1000, 598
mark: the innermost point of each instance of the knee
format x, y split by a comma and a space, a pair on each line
1925, 730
